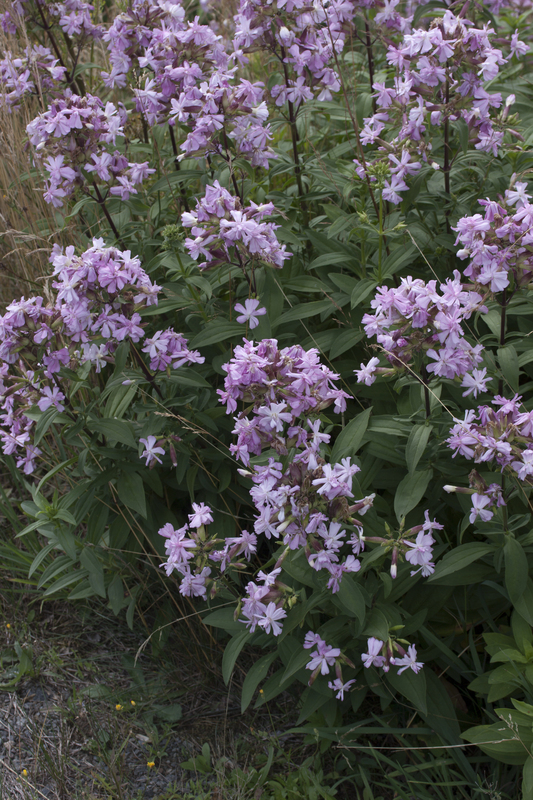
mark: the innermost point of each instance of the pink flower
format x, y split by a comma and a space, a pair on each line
249, 312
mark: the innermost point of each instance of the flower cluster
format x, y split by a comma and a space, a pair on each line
417, 319
381, 655
441, 78
503, 436
499, 242
304, 502
72, 16
189, 81
96, 302
19, 75
75, 133
306, 37
418, 553
181, 546
168, 349
221, 227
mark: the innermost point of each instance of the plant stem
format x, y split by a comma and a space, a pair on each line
380, 250
177, 166
140, 361
295, 139
370, 57
101, 202
79, 79
228, 160
70, 80
502, 332
447, 154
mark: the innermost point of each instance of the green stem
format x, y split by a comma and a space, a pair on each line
502, 332
380, 251
101, 202
177, 166
294, 138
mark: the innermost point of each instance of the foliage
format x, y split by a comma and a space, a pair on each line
363, 218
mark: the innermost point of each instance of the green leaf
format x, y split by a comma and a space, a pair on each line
217, 331
377, 625
92, 564
524, 603
117, 430
115, 592
516, 569
168, 181
522, 632
361, 291
82, 591
231, 653
68, 542
411, 686
416, 445
350, 598
328, 259
254, 676
44, 423
52, 472
130, 490
410, 491
223, 618
343, 341
304, 310
64, 581
39, 558
97, 522
78, 207
459, 558
397, 259
527, 780
120, 400
311, 701
498, 741
349, 439
297, 661
508, 360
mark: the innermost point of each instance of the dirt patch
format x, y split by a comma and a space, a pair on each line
82, 718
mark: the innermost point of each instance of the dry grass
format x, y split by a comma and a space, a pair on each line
28, 225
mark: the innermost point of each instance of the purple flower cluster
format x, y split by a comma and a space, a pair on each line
381, 655
168, 349
190, 545
503, 436
299, 498
75, 133
417, 319
188, 80
304, 502
96, 302
222, 228
260, 374
72, 16
441, 74
180, 548
305, 37
19, 75
418, 553
499, 242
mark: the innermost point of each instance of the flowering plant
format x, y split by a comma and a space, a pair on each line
260, 204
